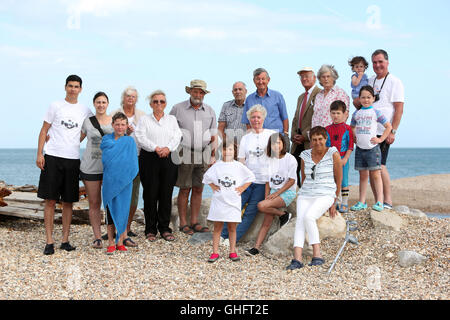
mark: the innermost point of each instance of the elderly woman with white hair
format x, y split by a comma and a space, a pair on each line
158, 135
128, 102
327, 76
252, 153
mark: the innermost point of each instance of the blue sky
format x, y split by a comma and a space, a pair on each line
164, 44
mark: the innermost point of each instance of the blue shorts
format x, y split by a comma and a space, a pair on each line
345, 174
368, 159
288, 196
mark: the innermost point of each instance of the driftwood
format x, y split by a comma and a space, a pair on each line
27, 205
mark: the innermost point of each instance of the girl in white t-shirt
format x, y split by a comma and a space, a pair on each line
281, 187
228, 179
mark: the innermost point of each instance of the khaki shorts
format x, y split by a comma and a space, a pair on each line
135, 192
191, 175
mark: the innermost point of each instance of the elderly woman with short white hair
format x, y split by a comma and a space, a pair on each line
252, 153
158, 135
327, 76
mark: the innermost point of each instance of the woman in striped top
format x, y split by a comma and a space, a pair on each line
321, 185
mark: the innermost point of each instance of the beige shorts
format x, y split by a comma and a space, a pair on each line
191, 175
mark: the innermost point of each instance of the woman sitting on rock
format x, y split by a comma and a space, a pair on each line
321, 172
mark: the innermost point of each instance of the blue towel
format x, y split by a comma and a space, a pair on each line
120, 167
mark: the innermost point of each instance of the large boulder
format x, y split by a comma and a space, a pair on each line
386, 219
281, 243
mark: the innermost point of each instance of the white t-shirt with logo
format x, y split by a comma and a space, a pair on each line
365, 122
393, 91
253, 149
281, 170
66, 120
226, 203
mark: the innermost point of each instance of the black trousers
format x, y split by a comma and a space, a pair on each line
299, 149
158, 177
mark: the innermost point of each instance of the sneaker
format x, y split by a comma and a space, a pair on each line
110, 250
67, 246
295, 264
234, 257
378, 206
252, 252
387, 206
224, 242
316, 262
121, 248
49, 249
343, 208
213, 258
359, 206
285, 218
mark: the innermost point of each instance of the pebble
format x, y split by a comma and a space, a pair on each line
179, 270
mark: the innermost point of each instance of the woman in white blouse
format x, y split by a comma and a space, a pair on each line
158, 135
321, 184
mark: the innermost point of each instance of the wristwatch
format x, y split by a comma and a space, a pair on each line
394, 131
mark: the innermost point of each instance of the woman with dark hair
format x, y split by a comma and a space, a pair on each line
280, 189
91, 167
321, 185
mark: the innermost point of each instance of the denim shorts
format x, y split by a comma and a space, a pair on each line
368, 159
288, 196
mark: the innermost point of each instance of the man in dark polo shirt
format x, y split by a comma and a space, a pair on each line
197, 121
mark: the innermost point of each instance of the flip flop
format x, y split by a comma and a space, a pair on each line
129, 243
97, 244
203, 229
187, 230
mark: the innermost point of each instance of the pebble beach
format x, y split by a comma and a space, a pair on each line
179, 270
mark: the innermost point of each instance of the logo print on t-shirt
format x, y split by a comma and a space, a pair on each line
69, 124
258, 153
227, 182
277, 180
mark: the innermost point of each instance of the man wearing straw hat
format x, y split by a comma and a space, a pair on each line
197, 121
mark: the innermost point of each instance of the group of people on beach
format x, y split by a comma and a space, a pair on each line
248, 157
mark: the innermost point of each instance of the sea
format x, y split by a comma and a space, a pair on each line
18, 166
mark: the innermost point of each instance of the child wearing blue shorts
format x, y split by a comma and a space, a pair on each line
340, 135
368, 154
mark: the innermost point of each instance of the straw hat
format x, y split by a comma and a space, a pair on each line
197, 84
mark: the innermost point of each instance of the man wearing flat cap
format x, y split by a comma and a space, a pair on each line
197, 121
301, 124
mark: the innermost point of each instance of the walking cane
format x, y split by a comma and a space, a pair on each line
351, 226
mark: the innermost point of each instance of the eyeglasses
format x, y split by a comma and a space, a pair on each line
159, 101
313, 173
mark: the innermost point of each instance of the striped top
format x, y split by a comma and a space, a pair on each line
323, 183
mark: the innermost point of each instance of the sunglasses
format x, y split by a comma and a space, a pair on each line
158, 101
313, 173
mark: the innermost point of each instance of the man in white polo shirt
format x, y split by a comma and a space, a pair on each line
59, 159
389, 100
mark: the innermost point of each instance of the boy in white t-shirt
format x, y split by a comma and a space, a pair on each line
59, 159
